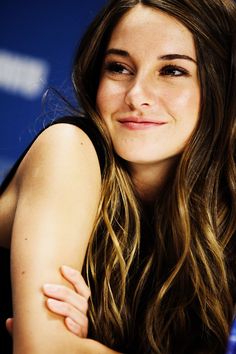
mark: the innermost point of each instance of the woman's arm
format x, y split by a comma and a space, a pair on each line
72, 299
58, 194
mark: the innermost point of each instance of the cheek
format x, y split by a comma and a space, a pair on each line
185, 103
109, 96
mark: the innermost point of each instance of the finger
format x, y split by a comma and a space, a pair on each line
76, 328
76, 279
66, 310
9, 325
67, 295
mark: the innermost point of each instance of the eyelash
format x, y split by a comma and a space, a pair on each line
116, 68
168, 70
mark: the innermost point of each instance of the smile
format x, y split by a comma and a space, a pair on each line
133, 124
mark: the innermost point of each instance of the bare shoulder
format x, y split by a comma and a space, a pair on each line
61, 147
63, 159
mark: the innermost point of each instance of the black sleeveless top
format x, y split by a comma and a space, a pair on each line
91, 130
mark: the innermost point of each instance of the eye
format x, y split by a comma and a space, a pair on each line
173, 70
116, 68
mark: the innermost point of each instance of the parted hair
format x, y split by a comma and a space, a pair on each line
164, 282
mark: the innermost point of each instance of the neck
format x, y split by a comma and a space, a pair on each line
149, 180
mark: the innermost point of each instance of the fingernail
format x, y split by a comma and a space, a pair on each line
54, 304
70, 322
72, 325
68, 270
51, 288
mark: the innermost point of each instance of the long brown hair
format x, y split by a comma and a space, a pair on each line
167, 286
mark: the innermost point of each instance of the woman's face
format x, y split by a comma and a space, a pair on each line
149, 93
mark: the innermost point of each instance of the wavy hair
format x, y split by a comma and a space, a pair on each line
165, 285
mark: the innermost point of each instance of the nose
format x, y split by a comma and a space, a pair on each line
139, 93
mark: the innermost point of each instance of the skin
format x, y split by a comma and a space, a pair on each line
143, 80
72, 304
158, 95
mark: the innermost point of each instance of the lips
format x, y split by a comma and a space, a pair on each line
138, 123
140, 120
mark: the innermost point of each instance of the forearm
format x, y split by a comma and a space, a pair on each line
82, 346
92, 346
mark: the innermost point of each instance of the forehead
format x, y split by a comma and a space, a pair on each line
143, 27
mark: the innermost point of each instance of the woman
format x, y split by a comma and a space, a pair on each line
146, 211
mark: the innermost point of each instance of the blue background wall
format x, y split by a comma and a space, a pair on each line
37, 43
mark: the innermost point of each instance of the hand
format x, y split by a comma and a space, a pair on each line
71, 304
9, 325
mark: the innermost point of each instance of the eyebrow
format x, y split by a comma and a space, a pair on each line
126, 54
121, 52
177, 56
